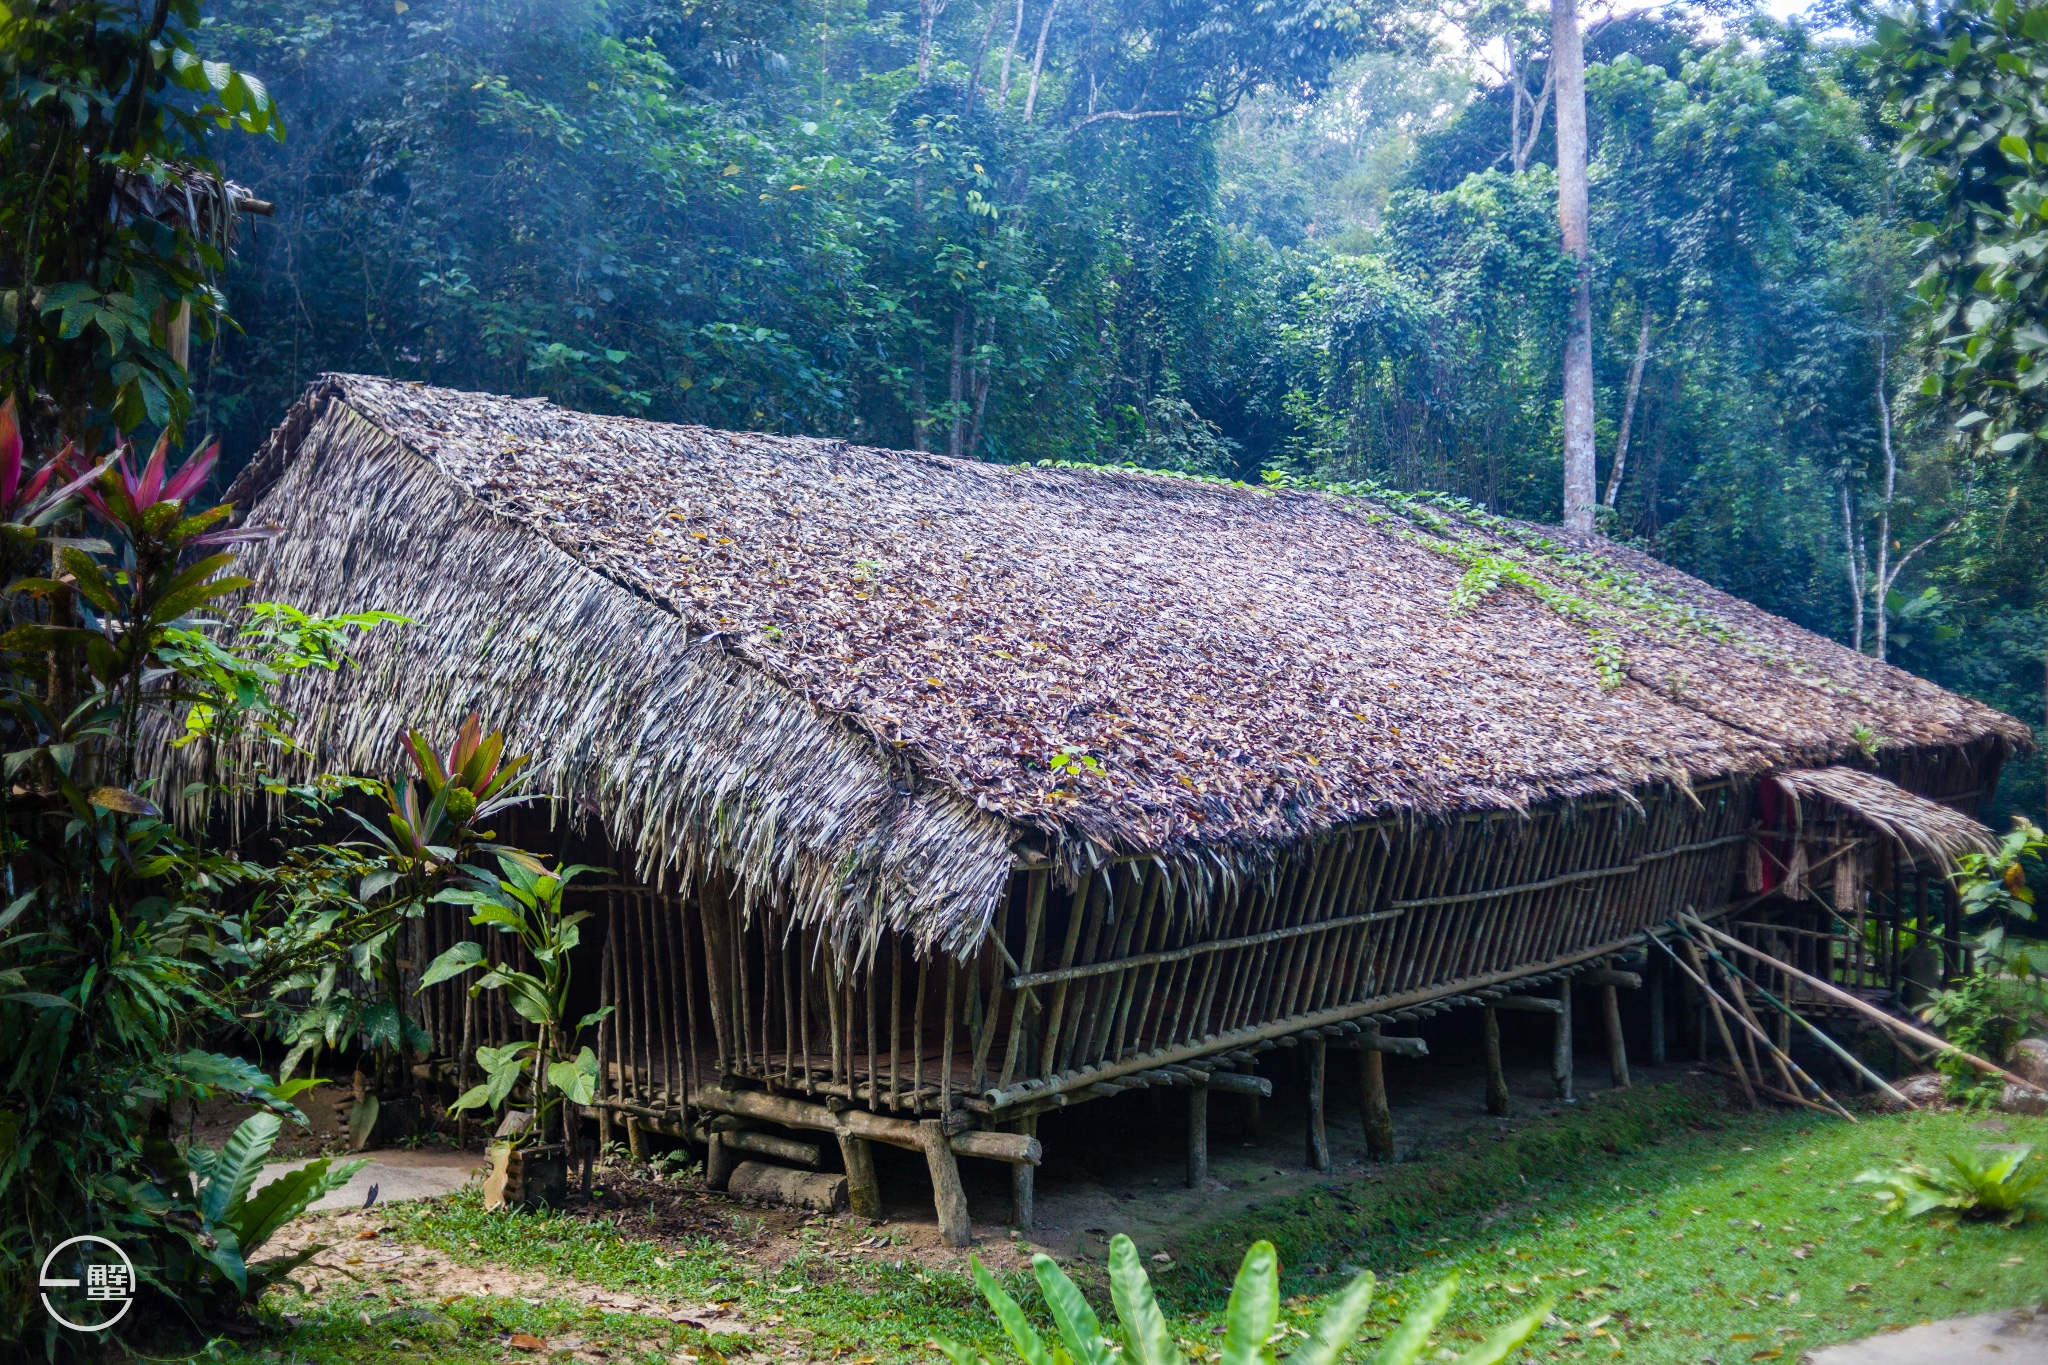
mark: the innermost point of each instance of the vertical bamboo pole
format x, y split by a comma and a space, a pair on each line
1023, 1182
1377, 1114
1318, 1070
1617, 1046
1561, 1045
1034, 922
1056, 1013
1496, 1074
895, 1018
917, 1042
1653, 966
946, 1061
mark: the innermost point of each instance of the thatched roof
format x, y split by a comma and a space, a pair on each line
1921, 827
817, 654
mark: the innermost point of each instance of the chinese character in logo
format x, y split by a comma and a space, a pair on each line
99, 1268
107, 1283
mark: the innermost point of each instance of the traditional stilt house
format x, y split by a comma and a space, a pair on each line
942, 794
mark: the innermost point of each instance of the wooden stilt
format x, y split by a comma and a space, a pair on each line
719, 1161
1251, 1122
1654, 965
1379, 1116
636, 1140
1318, 1072
948, 1194
1198, 1136
863, 1191
1617, 1046
1561, 1044
1496, 1075
1023, 1182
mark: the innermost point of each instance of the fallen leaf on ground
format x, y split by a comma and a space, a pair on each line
522, 1341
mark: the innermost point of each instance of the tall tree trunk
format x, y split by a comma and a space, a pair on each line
1038, 58
928, 12
1852, 555
1568, 64
1628, 411
1009, 55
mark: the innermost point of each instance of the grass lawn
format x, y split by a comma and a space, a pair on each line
1664, 1227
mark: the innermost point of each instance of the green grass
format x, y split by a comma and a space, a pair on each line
1666, 1229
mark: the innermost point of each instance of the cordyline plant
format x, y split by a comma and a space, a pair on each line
125, 941
419, 846
1249, 1320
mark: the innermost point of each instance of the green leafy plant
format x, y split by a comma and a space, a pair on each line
1993, 1184
1249, 1320
526, 903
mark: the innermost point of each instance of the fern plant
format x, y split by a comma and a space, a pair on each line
1995, 1183
1250, 1319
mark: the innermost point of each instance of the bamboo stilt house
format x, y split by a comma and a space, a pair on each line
944, 793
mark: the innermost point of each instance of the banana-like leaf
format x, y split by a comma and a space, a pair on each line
1253, 1308
1407, 1342
1146, 1338
241, 1160
576, 1079
1505, 1339
958, 1354
1339, 1324
1030, 1347
1079, 1328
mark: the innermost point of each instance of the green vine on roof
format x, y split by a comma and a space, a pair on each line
1582, 588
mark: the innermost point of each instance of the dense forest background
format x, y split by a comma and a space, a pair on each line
1227, 236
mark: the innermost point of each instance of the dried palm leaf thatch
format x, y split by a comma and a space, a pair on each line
868, 675
1922, 827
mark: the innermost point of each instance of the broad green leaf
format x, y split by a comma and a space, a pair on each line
1405, 1344
1146, 1338
452, 963
1253, 1308
1078, 1326
237, 1167
1339, 1324
1015, 1325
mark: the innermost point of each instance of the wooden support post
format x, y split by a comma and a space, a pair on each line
948, 1194
1379, 1116
1496, 1075
863, 1191
1023, 1182
1198, 1136
719, 1161
636, 1139
1318, 1072
1251, 1120
1617, 1046
1654, 965
1561, 1044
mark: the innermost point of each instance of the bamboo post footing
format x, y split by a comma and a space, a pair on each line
1023, 1182
863, 1190
1617, 1046
948, 1194
1318, 1071
1561, 1044
1379, 1116
1496, 1075
1198, 1136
